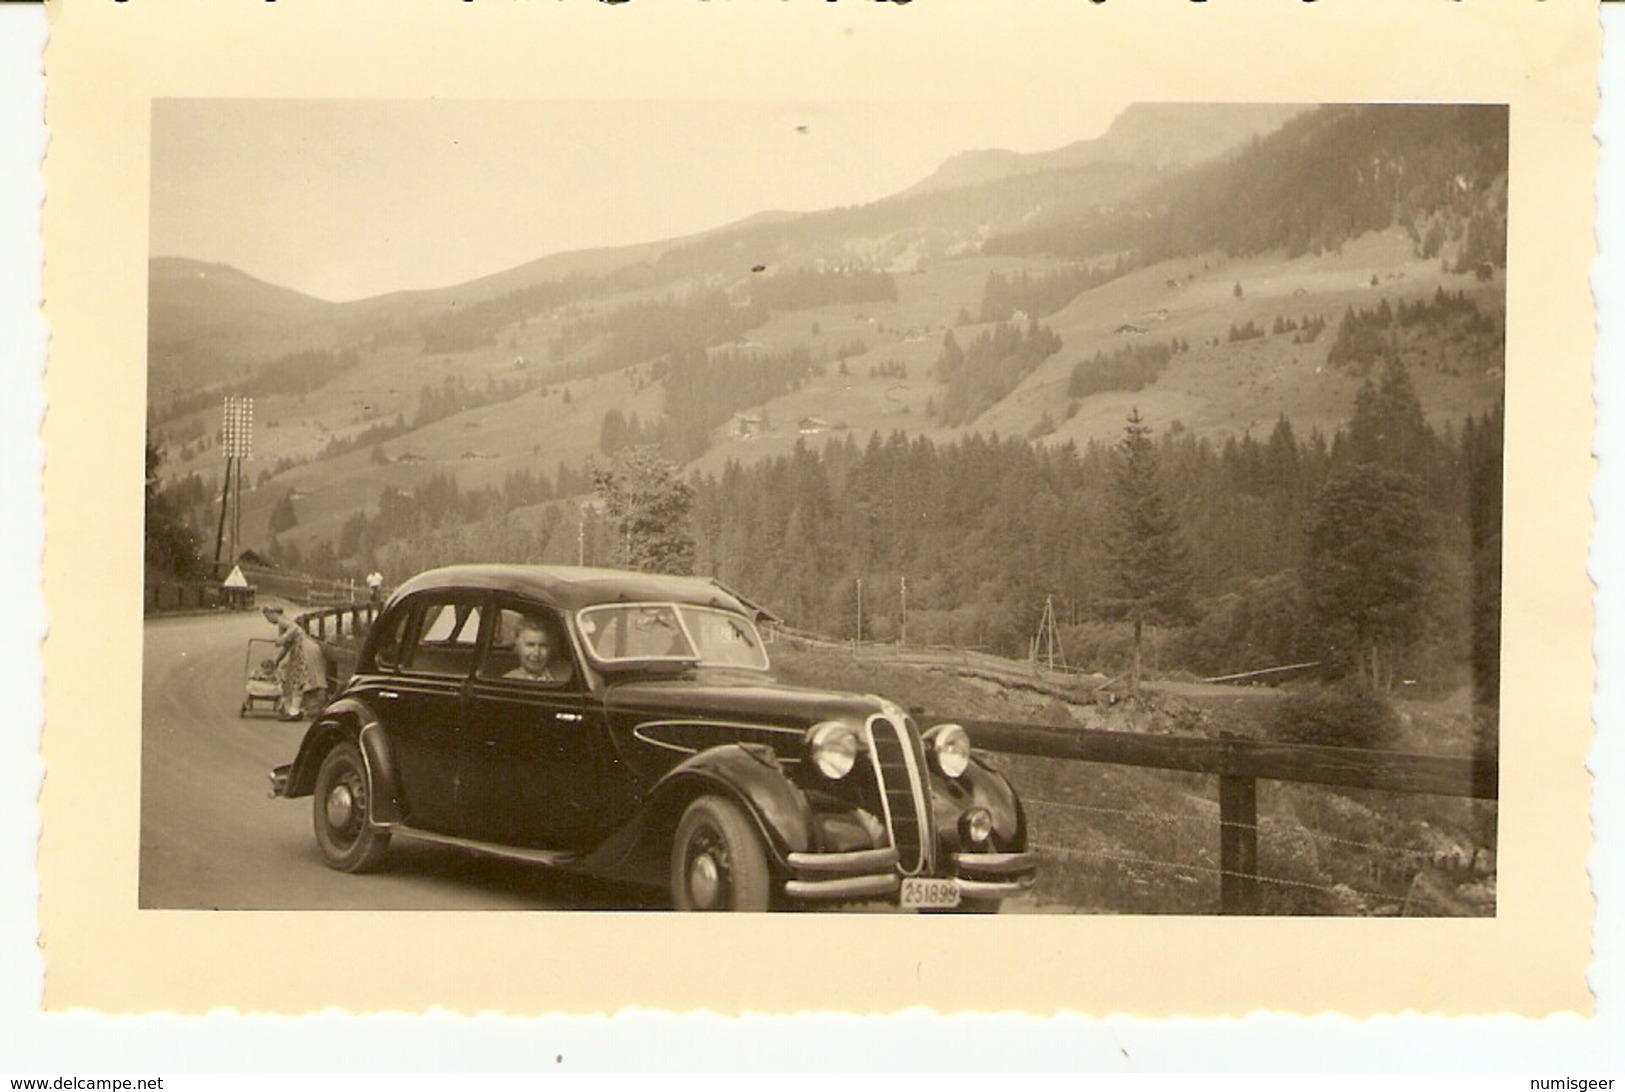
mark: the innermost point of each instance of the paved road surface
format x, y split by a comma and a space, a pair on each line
211, 837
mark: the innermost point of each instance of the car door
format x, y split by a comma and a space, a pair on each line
536, 742
423, 705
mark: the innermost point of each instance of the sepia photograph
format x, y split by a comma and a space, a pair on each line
1070, 509
632, 506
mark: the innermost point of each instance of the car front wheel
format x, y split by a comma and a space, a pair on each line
342, 805
717, 859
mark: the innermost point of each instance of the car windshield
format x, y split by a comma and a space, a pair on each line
669, 631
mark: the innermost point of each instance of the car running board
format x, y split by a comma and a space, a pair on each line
553, 857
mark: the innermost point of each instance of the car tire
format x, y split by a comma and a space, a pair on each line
717, 859
342, 813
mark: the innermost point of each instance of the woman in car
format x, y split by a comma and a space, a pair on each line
534, 645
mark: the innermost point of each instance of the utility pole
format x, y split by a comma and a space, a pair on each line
587, 509
902, 631
860, 610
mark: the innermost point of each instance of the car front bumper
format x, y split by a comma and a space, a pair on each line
872, 874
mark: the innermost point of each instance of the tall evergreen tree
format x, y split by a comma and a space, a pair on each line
1481, 451
1388, 427
1149, 567
1367, 568
172, 547
283, 517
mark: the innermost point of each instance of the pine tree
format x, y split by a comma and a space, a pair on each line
1368, 544
283, 517
1482, 452
1388, 427
172, 547
1144, 548
952, 358
614, 433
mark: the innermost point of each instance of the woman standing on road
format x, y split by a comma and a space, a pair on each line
299, 663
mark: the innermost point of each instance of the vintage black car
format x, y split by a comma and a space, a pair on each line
626, 725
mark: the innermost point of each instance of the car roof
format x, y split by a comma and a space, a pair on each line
570, 587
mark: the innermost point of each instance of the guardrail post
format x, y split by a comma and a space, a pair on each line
1238, 844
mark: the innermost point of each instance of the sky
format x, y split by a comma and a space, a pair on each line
354, 198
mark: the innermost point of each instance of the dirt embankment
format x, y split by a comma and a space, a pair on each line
1013, 691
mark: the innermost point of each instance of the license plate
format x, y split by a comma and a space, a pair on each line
925, 894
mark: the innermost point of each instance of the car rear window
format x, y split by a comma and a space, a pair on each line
447, 638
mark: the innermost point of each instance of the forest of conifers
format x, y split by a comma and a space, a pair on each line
985, 529
1373, 549
1295, 548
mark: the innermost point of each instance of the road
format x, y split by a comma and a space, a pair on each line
212, 838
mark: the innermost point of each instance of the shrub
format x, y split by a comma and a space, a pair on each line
1335, 717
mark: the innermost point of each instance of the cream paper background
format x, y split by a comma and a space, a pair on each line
107, 61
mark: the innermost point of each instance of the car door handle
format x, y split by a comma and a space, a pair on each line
390, 694
567, 716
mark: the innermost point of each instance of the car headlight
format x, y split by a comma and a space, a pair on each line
975, 826
834, 748
951, 746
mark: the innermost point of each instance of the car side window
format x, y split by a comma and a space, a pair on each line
528, 645
448, 636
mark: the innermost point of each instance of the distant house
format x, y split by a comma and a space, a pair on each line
1129, 329
410, 457
745, 425
810, 425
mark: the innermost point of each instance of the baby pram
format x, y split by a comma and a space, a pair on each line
261, 686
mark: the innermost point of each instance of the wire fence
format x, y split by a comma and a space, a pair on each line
1130, 858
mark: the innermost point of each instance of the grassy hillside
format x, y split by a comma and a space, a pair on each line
540, 354
877, 375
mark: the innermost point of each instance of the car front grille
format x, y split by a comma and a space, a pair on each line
900, 767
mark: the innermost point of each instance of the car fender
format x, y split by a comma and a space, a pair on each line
744, 773
750, 775
993, 791
980, 786
352, 719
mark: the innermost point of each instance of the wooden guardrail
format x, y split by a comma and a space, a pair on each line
337, 623
1240, 764
340, 630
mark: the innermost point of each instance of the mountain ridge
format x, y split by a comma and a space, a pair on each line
1156, 135
848, 312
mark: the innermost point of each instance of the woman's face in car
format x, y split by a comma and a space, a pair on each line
534, 650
